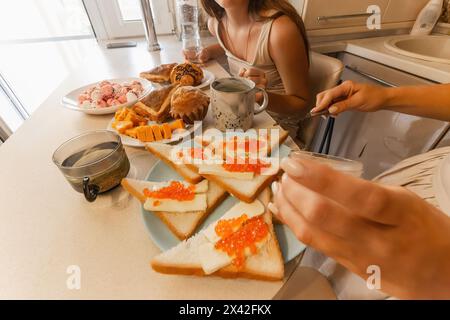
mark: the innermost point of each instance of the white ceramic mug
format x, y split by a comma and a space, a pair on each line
233, 103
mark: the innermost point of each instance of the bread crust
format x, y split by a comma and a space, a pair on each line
133, 191
156, 105
234, 192
138, 195
228, 272
182, 236
174, 166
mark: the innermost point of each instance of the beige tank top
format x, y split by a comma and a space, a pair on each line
261, 61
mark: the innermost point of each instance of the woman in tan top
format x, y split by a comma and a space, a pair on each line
265, 41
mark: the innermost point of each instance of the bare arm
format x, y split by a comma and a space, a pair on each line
214, 51
426, 101
289, 54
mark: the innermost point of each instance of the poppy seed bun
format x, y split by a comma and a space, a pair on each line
186, 74
189, 104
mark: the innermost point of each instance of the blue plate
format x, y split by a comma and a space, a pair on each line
165, 239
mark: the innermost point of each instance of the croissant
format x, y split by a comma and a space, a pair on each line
159, 74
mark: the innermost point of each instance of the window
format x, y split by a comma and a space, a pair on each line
130, 10
34, 56
43, 19
122, 18
38, 51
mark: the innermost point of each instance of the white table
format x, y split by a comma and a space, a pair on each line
46, 226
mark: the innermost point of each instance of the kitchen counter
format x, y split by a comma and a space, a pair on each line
373, 49
46, 227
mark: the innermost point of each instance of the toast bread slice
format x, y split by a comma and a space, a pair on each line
267, 264
163, 152
245, 190
156, 105
182, 224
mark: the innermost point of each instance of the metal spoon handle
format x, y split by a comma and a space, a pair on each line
317, 114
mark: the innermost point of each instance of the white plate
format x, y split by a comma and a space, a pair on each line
165, 239
131, 142
208, 78
70, 100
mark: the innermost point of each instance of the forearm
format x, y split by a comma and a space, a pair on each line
215, 51
424, 101
287, 104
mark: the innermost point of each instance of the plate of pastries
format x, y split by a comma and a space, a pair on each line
166, 115
184, 74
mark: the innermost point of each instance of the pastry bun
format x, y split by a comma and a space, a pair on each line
189, 104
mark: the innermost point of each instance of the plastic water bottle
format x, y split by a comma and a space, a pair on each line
190, 34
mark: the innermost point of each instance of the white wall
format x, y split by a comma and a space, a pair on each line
298, 4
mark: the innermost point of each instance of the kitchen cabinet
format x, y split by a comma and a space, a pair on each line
326, 14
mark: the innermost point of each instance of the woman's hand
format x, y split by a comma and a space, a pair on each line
350, 95
203, 56
362, 224
256, 75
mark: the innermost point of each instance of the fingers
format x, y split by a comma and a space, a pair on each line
327, 98
306, 232
255, 75
203, 57
344, 105
253, 72
260, 82
259, 97
364, 199
325, 213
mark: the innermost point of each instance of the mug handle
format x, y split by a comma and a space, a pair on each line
262, 107
90, 191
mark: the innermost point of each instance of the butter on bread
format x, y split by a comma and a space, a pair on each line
181, 224
198, 203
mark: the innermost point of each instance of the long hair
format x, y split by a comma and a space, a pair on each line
281, 8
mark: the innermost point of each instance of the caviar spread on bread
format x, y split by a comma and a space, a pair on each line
239, 158
240, 233
176, 196
240, 236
